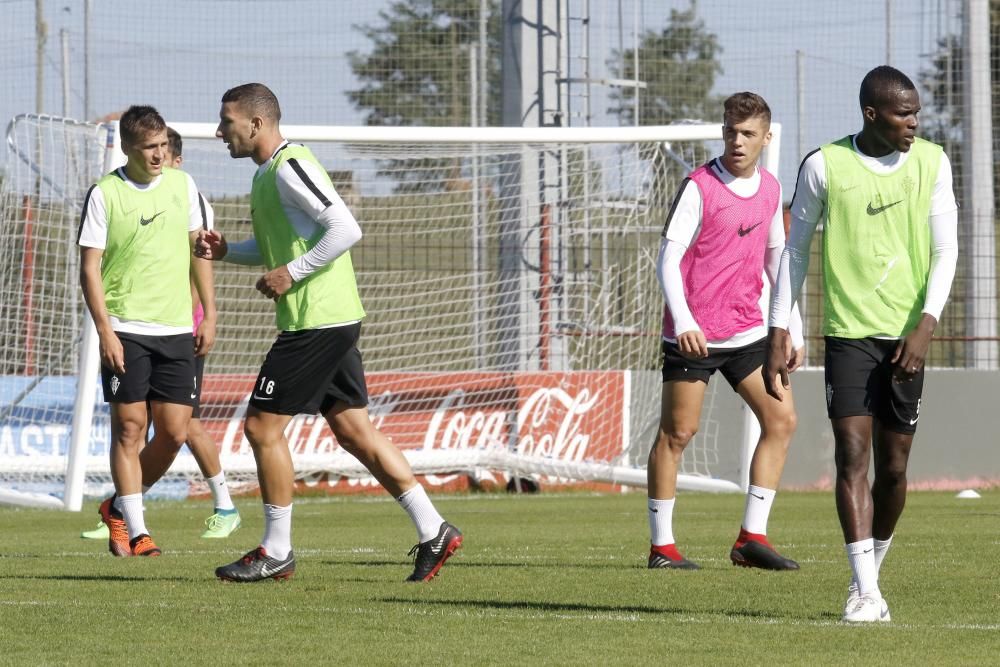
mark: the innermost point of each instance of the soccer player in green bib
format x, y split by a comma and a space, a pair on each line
136, 233
226, 518
302, 234
890, 246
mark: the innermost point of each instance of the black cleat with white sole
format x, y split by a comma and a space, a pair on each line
432, 554
257, 566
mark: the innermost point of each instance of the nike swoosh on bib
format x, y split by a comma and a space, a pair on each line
875, 211
145, 221
744, 232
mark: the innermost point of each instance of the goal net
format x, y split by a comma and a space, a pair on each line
508, 275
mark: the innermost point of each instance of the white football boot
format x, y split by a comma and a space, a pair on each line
868, 609
852, 597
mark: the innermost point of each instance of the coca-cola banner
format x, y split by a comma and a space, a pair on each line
571, 416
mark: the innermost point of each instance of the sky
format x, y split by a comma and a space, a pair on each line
180, 56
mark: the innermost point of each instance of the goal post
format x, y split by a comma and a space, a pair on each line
508, 275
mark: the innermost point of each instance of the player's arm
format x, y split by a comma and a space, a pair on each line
943, 220
679, 233
772, 262
202, 220
808, 204
301, 186
92, 239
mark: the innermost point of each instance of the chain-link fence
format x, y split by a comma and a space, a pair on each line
614, 62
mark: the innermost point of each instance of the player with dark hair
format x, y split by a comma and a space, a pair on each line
138, 225
725, 230
225, 518
890, 247
303, 233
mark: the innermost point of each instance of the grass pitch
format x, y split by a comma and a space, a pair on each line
554, 579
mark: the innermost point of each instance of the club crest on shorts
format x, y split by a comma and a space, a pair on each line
829, 395
115, 383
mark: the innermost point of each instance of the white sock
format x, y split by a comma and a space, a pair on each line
131, 508
881, 547
277, 540
861, 556
758, 509
661, 521
422, 512
220, 492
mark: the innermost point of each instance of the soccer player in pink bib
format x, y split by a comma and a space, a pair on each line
725, 230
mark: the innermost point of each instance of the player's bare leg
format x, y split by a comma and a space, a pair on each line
359, 437
123, 513
274, 558
266, 433
891, 455
680, 413
437, 539
853, 446
777, 426
853, 437
170, 432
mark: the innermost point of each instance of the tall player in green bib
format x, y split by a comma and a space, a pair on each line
890, 246
138, 225
303, 233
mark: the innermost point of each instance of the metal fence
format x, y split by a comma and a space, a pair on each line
605, 63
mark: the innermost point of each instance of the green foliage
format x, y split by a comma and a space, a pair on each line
417, 72
679, 65
548, 579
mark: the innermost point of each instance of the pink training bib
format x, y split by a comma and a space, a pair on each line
722, 270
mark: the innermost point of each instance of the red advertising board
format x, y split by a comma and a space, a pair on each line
568, 416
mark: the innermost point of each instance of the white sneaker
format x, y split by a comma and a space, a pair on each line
868, 609
852, 597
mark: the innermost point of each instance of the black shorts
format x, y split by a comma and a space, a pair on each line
199, 375
859, 383
306, 372
157, 368
735, 363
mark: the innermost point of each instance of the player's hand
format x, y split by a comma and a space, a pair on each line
912, 350
692, 344
796, 358
112, 352
275, 283
210, 244
204, 338
776, 361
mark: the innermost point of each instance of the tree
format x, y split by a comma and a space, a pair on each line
679, 65
941, 122
417, 72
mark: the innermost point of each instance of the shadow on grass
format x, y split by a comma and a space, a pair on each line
90, 577
566, 607
480, 564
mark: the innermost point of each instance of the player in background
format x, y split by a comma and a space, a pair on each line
890, 246
302, 235
724, 231
225, 519
136, 231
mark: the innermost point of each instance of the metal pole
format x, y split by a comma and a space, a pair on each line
64, 45
478, 338
41, 33
484, 83
888, 32
977, 126
86, 60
